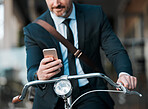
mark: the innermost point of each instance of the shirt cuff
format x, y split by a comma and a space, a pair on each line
124, 73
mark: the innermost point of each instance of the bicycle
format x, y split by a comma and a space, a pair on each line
63, 88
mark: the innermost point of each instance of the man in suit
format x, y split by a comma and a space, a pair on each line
91, 31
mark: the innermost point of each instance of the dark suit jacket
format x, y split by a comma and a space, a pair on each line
94, 32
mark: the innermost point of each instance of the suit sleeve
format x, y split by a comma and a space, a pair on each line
34, 55
113, 48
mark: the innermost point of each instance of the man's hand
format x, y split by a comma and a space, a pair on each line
127, 81
48, 68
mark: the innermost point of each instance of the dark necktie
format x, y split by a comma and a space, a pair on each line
71, 59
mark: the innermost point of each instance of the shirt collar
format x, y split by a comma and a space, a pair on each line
59, 20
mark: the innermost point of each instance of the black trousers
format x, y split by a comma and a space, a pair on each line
89, 101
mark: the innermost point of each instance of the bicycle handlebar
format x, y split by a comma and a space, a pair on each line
124, 90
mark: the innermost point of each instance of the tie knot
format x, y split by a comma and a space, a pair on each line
66, 22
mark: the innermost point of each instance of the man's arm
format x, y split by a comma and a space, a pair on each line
39, 67
33, 55
117, 54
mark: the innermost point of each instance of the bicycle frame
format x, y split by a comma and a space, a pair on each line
68, 104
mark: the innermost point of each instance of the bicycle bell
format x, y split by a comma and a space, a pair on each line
63, 88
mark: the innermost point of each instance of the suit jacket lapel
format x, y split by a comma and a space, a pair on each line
49, 19
81, 27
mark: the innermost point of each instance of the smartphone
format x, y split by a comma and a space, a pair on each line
51, 52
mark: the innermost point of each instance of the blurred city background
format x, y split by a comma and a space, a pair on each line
129, 19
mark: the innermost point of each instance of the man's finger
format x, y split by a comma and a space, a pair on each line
46, 60
124, 81
52, 69
52, 64
135, 82
48, 76
132, 82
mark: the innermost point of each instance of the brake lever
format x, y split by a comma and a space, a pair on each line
126, 91
120, 86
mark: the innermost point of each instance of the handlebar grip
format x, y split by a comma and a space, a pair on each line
16, 99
